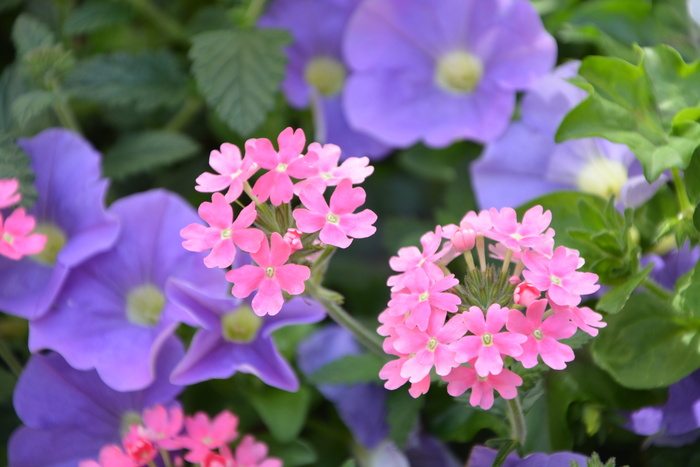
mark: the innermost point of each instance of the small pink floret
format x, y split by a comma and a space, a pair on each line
8, 192
15, 238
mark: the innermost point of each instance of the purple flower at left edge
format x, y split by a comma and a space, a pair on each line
233, 338
481, 456
114, 312
69, 210
317, 69
69, 415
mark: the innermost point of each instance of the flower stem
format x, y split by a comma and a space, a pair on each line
329, 300
12, 363
166, 458
161, 21
652, 286
683, 200
186, 113
480, 249
517, 420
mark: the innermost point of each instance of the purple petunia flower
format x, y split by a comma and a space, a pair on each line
316, 70
69, 414
526, 162
441, 71
481, 456
114, 312
668, 268
234, 338
69, 210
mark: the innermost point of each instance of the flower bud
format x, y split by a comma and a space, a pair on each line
293, 238
464, 239
138, 447
525, 293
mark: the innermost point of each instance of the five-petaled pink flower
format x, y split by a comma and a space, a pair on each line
111, 455
15, 240
462, 378
162, 426
531, 233
328, 173
233, 172
338, 221
8, 192
269, 277
276, 184
204, 434
224, 234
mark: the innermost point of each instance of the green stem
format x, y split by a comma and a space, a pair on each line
683, 200
12, 363
187, 112
62, 109
657, 289
161, 21
253, 12
364, 336
320, 265
166, 458
517, 420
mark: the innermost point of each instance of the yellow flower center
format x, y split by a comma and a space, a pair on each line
144, 304
241, 325
602, 177
458, 72
55, 240
326, 74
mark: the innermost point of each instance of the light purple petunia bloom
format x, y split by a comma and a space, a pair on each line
481, 456
114, 312
69, 414
437, 71
316, 70
233, 338
69, 210
668, 268
526, 162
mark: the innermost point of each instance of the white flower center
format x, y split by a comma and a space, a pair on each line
326, 74
424, 296
537, 334
226, 233
332, 218
487, 339
555, 280
7, 238
458, 72
281, 167
432, 343
270, 272
602, 176
144, 305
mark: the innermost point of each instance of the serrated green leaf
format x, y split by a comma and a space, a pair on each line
615, 298
402, 415
284, 413
32, 104
350, 369
646, 346
238, 72
28, 33
147, 151
687, 297
145, 80
94, 15
11, 86
14, 163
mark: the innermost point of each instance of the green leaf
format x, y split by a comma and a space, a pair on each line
687, 298
14, 163
94, 15
691, 178
284, 413
28, 34
505, 448
238, 72
642, 105
646, 345
32, 104
145, 80
615, 298
11, 86
147, 151
402, 415
351, 369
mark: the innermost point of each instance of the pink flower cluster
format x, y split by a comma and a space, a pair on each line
267, 231
205, 441
466, 331
16, 239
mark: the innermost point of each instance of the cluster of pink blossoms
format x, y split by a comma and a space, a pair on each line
466, 331
16, 239
282, 242
205, 441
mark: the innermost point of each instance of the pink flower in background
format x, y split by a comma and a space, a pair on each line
204, 434
224, 234
110, 456
586, 319
270, 277
15, 238
288, 162
138, 446
8, 192
328, 173
531, 233
233, 172
252, 453
462, 378
337, 222
162, 425
411, 260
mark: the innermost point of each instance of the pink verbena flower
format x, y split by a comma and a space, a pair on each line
276, 184
252, 453
270, 277
488, 342
224, 234
542, 336
558, 275
233, 172
338, 221
204, 434
138, 446
162, 426
531, 233
586, 319
15, 240
110, 456
8, 192
391, 372
328, 173
462, 378
411, 260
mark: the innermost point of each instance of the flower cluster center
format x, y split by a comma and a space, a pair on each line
458, 72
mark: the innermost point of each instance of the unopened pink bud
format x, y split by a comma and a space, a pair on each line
514, 280
464, 239
525, 293
293, 238
138, 447
215, 460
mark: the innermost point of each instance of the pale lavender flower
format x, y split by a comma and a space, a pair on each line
481, 456
69, 210
440, 71
526, 162
69, 415
114, 312
316, 70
